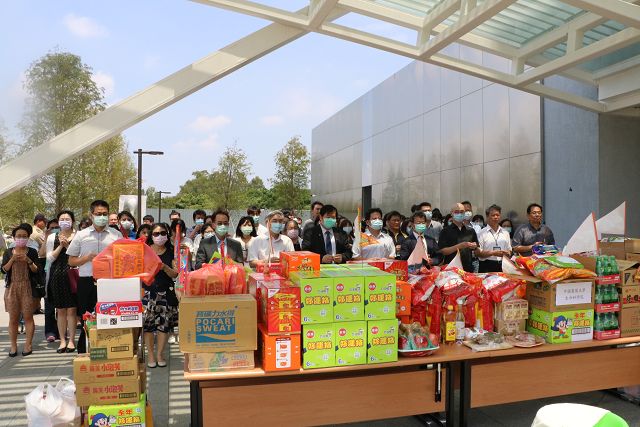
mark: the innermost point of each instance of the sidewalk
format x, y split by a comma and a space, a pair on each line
167, 391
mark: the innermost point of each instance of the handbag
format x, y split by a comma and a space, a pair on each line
74, 275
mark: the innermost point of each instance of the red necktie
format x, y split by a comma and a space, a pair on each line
222, 249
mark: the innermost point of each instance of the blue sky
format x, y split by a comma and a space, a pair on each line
131, 44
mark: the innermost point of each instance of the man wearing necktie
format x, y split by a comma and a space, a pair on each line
219, 242
419, 236
325, 239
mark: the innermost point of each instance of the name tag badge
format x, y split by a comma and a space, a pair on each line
497, 248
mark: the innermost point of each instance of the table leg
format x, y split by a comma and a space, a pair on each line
450, 395
465, 393
196, 404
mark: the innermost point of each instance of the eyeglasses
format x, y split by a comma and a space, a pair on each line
159, 233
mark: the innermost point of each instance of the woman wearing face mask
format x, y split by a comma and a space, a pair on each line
21, 280
292, 231
60, 292
143, 232
507, 226
245, 233
374, 242
160, 301
128, 225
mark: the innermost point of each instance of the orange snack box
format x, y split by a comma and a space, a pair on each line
299, 261
403, 298
280, 352
280, 307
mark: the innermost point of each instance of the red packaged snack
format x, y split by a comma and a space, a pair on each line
127, 258
208, 280
235, 281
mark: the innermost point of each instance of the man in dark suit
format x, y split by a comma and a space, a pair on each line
419, 220
219, 242
326, 239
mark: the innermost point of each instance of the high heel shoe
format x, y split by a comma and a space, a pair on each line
71, 349
27, 353
14, 354
61, 350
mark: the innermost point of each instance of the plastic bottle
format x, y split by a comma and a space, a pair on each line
608, 322
597, 323
614, 265
449, 325
598, 294
614, 294
616, 324
599, 266
460, 330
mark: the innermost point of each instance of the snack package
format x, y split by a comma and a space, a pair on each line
501, 288
235, 281
540, 268
209, 280
434, 312
415, 337
127, 258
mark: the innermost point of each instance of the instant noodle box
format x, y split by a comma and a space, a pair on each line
280, 307
318, 346
218, 323
123, 415
118, 315
561, 326
86, 370
574, 294
316, 296
299, 261
380, 295
254, 280
280, 352
382, 341
348, 295
115, 391
351, 343
110, 344
220, 361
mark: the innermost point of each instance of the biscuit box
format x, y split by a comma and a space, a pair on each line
561, 326
110, 344
255, 279
280, 352
118, 315
218, 323
110, 392
316, 296
123, 415
380, 295
219, 361
382, 341
87, 371
280, 307
348, 295
318, 346
403, 299
299, 261
351, 343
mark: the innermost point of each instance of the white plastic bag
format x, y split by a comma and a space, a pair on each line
69, 410
42, 404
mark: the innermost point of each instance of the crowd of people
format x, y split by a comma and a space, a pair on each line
53, 259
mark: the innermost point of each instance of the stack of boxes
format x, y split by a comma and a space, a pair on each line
511, 316
629, 292
348, 316
111, 380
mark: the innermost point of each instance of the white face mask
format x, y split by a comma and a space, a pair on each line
126, 224
64, 224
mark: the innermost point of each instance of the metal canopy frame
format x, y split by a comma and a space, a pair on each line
539, 38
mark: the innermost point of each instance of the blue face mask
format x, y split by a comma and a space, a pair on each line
468, 215
376, 224
222, 230
507, 229
458, 217
329, 223
347, 229
276, 228
420, 228
199, 221
428, 214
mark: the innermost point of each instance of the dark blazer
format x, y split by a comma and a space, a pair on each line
409, 244
233, 250
313, 240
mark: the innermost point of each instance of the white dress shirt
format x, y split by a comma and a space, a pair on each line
490, 240
91, 241
261, 230
385, 248
263, 248
245, 247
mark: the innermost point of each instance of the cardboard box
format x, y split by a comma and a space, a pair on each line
119, 315
632, 257
316, 296
512, 310
380, 296
318, 346
382, 341
613, 248
392, 266
299, 261
348, 295
403, 299
632, 246
562, 326
220, 361
280, 307
351, 343
114, 290
86, 370
629, 321
218, 323
280, 352
629, 296
510, 327
330, 267
254, 280
110, 344
628, 272
566, 295
116, 391
123, 415
273, 268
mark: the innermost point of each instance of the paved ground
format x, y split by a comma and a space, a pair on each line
169, 393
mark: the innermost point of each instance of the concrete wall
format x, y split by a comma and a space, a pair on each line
619, 167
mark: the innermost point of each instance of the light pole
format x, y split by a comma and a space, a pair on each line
160, 193
139, 152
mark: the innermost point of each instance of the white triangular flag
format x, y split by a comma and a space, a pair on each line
614, 222
456, 262
585, 239
418, 254
355, 248
509, 267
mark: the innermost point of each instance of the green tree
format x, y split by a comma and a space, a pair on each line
61, 95
230, 179
291, 178
259, 195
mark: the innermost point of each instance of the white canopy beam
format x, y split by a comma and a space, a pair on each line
435, 17
296, 19
617, 10
117, 118
384, 13
319, 10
